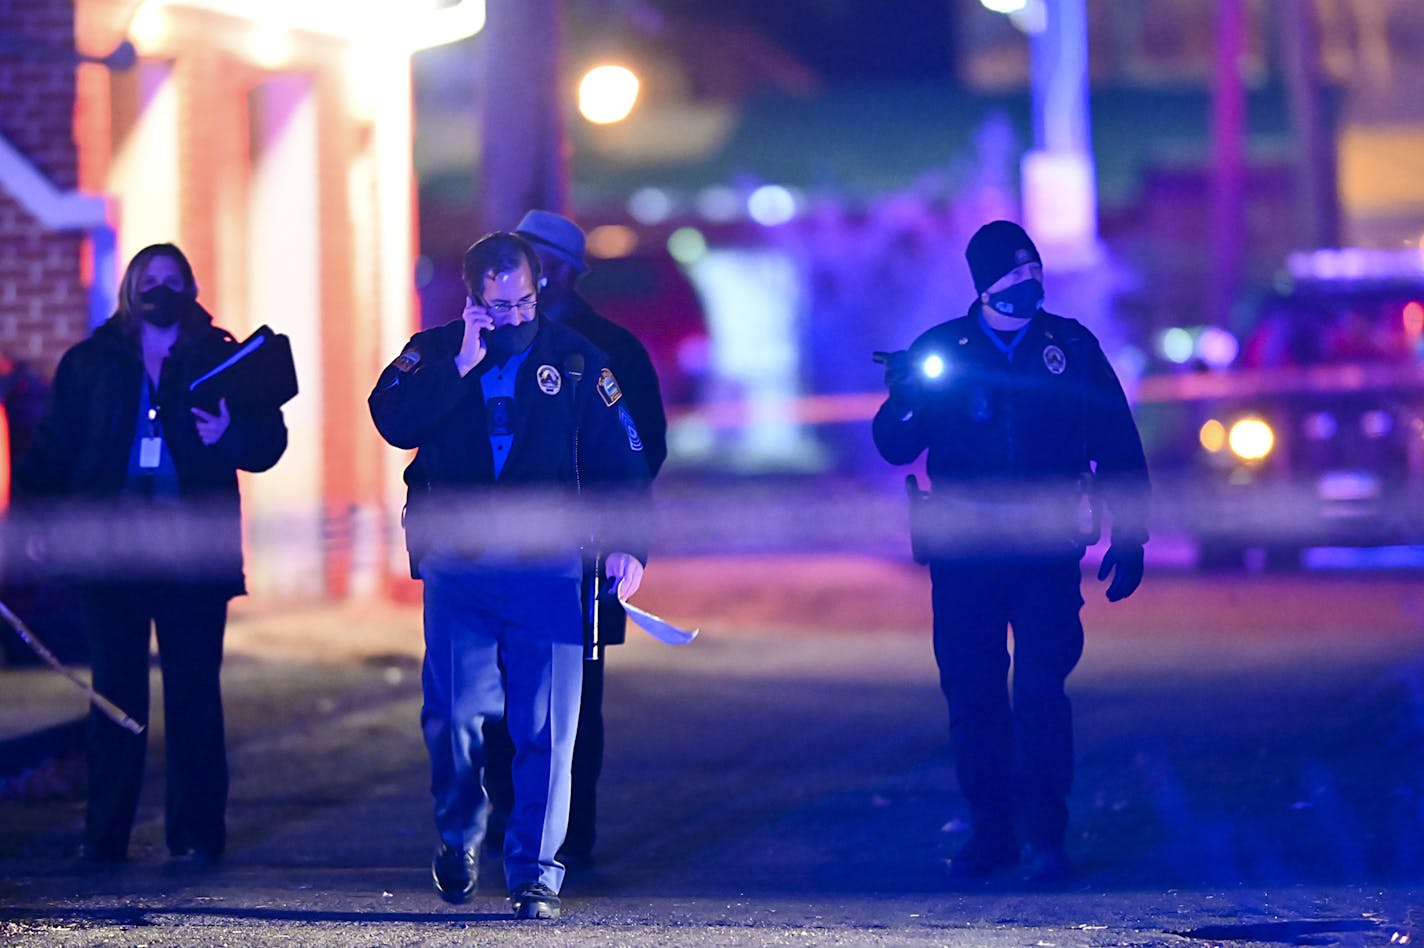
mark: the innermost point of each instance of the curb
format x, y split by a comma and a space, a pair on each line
29, 751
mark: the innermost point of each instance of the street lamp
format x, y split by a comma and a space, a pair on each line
607, 94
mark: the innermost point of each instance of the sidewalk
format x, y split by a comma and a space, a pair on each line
42, 713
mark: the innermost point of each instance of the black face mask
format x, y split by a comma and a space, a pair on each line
163, 306
506, 341
1020, 301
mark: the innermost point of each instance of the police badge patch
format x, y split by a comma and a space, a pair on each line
407, 360
634, 441
1054, 358
608, 389
549, 379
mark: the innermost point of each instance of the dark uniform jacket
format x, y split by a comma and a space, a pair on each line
1003, 434
421, 402
82, 448
630, 362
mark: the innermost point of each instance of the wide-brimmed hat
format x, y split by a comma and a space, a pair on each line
557, 233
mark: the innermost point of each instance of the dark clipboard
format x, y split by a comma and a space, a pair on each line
260, 373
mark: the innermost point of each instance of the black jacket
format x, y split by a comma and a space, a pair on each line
421, 402
996, 429
81, 450
629, 360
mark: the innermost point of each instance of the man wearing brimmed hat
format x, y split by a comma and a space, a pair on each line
1021, 414
561, 248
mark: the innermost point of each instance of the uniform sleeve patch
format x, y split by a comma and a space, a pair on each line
608, 389
407, 360
634, 441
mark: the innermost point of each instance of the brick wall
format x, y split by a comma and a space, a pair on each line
43, 303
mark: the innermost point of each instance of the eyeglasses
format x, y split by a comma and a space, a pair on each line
504, 308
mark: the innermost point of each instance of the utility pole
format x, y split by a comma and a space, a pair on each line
1228, 161
1317, 199
524, 151
1059, 178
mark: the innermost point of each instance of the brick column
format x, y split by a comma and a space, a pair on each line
43, 307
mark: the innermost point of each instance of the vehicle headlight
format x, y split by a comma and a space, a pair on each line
1212, 435
1251, 439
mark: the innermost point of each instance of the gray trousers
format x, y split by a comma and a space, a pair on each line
500, 643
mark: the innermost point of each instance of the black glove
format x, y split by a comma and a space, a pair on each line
900, 380
1124, 561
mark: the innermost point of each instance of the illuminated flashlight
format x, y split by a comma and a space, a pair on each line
933, 366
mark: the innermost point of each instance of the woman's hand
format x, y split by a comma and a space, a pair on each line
212, 427
625, 568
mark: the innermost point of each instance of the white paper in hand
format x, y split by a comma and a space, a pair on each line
660, 629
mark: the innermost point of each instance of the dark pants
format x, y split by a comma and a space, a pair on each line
189, 620
1014, 758
588, 765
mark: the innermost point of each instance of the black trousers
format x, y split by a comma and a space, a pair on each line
588, 765
1013, 753
189, 620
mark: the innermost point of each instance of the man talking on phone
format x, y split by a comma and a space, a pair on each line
504, 407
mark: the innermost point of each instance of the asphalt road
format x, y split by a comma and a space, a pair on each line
1251, 772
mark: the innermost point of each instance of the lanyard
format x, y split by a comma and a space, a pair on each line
1007, 348
155, 427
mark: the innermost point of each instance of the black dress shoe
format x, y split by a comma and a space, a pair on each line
455, 872
206, 857
535, 900
97, 854
1045, 865
984, 855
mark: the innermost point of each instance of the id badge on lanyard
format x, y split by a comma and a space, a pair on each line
150, 447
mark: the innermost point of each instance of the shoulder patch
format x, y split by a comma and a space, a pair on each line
608, 389
407, 360
635, 442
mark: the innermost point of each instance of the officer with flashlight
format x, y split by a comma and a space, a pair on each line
1027, 430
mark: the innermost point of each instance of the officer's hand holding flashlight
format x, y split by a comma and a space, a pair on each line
899, 377
1124, 561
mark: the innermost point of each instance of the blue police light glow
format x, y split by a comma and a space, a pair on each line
933, 366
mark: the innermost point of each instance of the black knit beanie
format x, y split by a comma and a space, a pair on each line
995, 249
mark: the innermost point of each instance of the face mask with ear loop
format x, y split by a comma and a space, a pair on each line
1020, 301
162, 306
505, 341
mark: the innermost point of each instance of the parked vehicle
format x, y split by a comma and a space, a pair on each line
1313, 434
